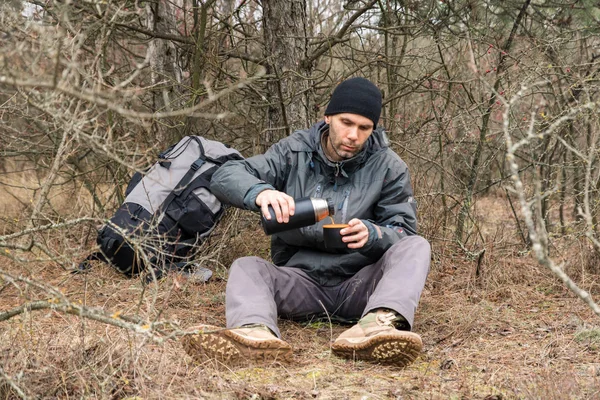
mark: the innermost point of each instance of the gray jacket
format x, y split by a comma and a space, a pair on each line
373, 186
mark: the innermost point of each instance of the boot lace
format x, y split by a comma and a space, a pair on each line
386, 318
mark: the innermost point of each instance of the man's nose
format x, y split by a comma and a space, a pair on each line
353, 133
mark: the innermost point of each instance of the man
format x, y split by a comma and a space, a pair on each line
378, 279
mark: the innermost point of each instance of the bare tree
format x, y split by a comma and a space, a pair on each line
482, 99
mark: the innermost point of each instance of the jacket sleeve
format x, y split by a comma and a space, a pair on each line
239, 182
395, 214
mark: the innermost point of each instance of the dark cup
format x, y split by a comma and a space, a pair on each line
332, 236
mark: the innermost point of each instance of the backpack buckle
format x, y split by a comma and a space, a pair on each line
197, 164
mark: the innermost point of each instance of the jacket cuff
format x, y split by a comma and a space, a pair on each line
374, 234
252, 193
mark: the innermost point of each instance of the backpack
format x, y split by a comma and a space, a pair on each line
168, 211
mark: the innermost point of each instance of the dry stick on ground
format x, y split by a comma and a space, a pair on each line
7, 242
537, 235
74, 309
330, 326
157, 331
12, 384
46, 227
59, 302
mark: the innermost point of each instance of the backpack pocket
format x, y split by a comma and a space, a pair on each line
197, 213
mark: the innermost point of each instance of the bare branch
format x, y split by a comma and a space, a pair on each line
536, 235
339, 36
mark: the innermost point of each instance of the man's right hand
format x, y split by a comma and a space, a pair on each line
282, 204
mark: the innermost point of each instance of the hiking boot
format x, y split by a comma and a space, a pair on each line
376, 339
234, 346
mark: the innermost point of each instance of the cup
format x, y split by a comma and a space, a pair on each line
332, 236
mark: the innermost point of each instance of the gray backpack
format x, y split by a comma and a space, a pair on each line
167, 212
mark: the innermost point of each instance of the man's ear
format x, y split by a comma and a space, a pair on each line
327, 119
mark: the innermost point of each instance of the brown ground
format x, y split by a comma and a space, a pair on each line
513, 331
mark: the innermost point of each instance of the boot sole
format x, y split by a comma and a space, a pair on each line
231, 348
396, 349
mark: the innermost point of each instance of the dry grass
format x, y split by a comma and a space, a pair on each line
512, 332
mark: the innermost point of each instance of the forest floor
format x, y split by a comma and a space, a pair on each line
499, 327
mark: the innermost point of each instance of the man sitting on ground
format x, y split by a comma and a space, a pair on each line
378, 280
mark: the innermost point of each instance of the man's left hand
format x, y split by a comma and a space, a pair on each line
356, 235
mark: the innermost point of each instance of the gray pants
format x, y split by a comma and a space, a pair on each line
258, 291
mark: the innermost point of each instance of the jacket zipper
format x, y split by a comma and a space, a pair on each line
318, 191
337, 173
344, 205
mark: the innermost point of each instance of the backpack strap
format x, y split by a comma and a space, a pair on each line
202, 180
183, 183
84, 266
196, 165
219, 160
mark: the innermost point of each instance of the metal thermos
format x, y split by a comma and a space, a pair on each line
309, 210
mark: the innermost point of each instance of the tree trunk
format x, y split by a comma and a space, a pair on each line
165, 74
288, 96
473, 174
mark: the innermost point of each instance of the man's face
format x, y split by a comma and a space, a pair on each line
348, 134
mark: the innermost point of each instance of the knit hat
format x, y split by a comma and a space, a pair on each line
356, 96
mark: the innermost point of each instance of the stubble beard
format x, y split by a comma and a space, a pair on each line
342, 154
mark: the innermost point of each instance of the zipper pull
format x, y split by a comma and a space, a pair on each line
346, 193
337, 173
318, 191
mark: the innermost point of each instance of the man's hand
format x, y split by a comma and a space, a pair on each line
356, 235
282, 204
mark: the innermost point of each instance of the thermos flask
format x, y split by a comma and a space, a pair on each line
309, 210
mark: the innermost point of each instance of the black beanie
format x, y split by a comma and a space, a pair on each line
356, 96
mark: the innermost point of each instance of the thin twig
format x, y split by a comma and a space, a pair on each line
12, 384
